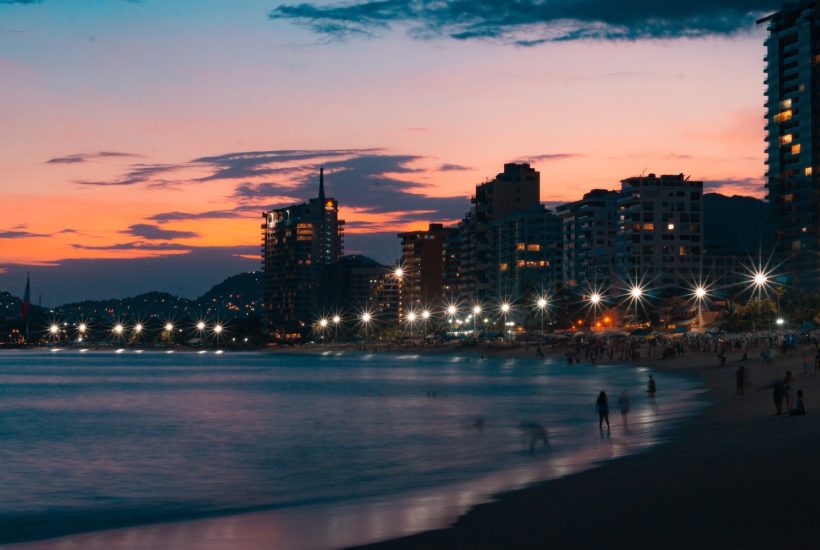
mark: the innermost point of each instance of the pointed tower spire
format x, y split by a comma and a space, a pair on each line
322, 184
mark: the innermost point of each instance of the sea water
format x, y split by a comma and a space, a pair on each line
100, 439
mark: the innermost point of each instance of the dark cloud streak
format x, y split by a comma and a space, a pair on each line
529, 22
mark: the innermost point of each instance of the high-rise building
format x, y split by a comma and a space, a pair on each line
793, 138
528, 251
517, 188
588, 235
422, 262
659, 240
300, 245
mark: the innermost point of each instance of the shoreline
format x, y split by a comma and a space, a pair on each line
415, 511
735, 476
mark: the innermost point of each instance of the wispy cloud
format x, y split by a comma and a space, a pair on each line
18, 233
156, 233
547, 157
136, 246
86, 157
528, 22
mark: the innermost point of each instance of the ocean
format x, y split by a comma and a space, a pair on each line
99, 440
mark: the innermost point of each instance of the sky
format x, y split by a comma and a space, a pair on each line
141, 140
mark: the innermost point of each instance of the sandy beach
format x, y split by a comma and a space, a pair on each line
736, 477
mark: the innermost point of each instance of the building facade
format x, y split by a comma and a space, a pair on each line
527, 247
422, 262
516, 189
659, 242
589, 226
301, 244
793, 139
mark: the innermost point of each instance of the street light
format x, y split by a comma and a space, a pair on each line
336, 320
218, 328
411, 320
541, 303
365, 318
425, 316
476, 313
505, 311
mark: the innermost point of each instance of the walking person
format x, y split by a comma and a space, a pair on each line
651, 389
602, 404
623, 405
740, 380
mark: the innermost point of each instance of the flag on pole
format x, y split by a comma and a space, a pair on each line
26, 300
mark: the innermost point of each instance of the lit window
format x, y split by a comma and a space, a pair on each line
520, 246
783, 116
796, 149
504, 267
671, 227
807, 171
785, 139
786, 104
534, 247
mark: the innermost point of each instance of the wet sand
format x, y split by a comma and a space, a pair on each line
736, 477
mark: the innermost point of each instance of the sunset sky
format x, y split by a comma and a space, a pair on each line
140, 140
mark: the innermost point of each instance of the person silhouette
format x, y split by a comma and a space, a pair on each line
651, 388
602, 405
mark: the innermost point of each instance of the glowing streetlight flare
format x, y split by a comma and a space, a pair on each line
169, 327
451, 310
366, 317
138, 328
218, 328
200, 326
425, 314
323, 323
477, 310
541, 303
505, 307
636, 292
54, 329
760, 279
336, 319
411, 316
82, 328
700, 293
595, 298
780, 321
118, 328
399, 273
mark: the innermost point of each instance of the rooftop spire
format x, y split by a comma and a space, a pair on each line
322, 184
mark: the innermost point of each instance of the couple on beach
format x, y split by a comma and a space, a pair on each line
782, 391
602, 404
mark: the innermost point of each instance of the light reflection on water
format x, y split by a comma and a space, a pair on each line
98, 440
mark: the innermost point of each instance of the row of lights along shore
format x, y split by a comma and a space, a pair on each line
759, 281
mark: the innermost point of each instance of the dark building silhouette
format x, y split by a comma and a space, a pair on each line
659, 242
516, 189
422, 262
527, 247
793, 138
588, 235
301, 244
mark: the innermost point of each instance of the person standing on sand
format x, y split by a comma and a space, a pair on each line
651, 389
799, 407
623, 405
788, 380
778, 391
602, 404
740, 380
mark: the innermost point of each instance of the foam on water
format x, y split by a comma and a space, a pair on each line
100, 439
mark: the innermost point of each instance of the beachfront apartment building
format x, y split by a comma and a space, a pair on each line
792, 78
527, 249
301, 244
588, 240
422, 263
471, 256
659, 240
